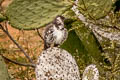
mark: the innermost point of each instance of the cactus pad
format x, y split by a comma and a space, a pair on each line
32, 14
3, 70
91, 73
56, 64
96, 8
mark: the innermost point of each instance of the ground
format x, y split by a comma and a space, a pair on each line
32, 44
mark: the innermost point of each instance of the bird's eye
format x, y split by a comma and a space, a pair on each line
62, 29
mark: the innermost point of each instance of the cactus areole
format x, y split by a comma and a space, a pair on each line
56, 64
32, 14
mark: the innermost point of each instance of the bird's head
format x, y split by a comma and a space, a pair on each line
59, 20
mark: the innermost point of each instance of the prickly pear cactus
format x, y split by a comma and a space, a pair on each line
56, 64
32, 14
91, 73
88, 40
3, 70
95, 8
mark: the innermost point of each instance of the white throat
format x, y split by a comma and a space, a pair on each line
58, 34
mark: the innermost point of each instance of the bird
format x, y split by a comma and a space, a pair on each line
55, 33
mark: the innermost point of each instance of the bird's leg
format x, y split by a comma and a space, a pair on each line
52, 45
45, 45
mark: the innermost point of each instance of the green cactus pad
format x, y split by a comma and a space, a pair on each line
32, 14
88, 40
95, 8
3, 70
